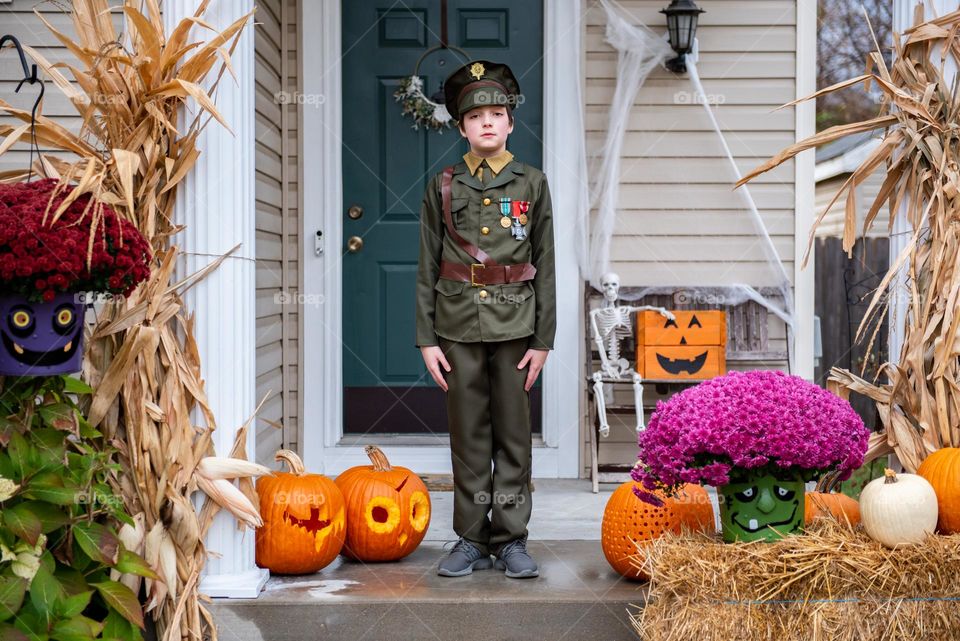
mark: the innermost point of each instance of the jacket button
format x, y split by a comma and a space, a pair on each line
484, 230
486, 201
483, 294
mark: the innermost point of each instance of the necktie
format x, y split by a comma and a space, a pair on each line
485, 172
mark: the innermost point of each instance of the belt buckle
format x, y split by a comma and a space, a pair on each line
473, 275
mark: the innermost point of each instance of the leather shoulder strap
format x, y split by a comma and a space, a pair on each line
478, 254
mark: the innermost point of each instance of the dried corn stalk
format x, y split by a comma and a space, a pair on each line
920, 406
137, 142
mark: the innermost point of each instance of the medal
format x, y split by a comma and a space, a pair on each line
519, 213
505, 208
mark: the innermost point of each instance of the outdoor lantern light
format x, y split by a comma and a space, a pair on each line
682, 18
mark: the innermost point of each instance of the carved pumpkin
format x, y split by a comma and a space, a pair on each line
627, 519
692, 346
824, 501
304, 522
942, 470
388, 509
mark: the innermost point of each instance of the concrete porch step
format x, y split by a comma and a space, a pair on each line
576, 597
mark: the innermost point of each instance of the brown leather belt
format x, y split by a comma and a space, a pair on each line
479, 274
486, 271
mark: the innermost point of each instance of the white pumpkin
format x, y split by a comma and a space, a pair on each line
898, 509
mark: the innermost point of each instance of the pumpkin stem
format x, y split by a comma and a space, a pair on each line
891, 476
828, 482
292, 460
822, 484
378, 458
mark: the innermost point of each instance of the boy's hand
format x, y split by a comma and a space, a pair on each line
433, 357
536, 358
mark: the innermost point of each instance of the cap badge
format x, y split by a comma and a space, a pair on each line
476, 70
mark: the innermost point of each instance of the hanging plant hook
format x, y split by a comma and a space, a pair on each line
428, 110
437, 47
29, 77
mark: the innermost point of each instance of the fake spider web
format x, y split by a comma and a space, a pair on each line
639, 52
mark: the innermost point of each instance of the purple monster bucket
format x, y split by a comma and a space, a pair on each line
41, 339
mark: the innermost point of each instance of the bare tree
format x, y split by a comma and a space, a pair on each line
844, 40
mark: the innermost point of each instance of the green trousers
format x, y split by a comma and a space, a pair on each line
489, 417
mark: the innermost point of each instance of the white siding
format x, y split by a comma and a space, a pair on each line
18, 18
866, 193
673, 168
679, 222
277, 225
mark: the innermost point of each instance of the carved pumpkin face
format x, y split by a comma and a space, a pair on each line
692, 345
304, 521
39, 339
686, 324
388, 509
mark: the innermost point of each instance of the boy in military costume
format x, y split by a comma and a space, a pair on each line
486, 318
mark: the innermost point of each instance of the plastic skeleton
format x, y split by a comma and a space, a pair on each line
610, 324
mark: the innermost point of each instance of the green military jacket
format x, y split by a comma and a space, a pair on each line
455, 309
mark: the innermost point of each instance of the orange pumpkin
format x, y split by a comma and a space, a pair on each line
388, 509
942, 470
824, 501
303, 519
627, 521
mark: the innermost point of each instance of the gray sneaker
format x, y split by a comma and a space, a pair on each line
463, 559
514, 558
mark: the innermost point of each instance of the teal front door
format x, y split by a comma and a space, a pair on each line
386, 165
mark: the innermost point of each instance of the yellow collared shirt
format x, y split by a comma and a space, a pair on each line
497, 163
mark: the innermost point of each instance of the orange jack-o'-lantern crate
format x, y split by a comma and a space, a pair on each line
692, 347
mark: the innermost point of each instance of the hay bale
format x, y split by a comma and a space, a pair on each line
831, 583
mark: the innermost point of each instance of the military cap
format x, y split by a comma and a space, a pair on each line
480, 83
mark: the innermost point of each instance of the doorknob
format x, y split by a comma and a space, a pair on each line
354, 244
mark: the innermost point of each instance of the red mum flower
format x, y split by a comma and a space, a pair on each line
38, 256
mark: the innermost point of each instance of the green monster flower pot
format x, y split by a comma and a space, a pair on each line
760, 506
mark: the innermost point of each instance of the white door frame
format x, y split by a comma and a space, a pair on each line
321, 388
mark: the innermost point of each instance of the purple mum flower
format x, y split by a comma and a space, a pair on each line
749, 420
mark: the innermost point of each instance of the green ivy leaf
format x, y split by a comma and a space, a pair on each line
88, 431
7, 428
132, 563
60, 416
56, 494
72, 606
116, 627
77, 628
72, 385
122, 599
10, 633
6, 466
23, 522
31, 622
51, 517
47, 561
19, 451
49, 450
98, 542
12, 589
122, 516
73, 580
45, 593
